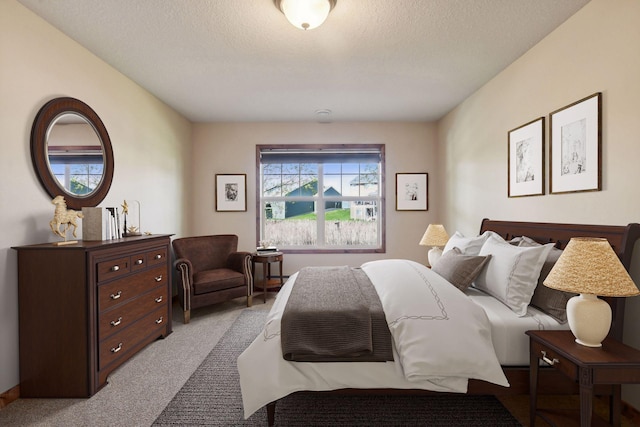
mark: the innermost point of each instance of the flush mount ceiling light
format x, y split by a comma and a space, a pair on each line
305, 14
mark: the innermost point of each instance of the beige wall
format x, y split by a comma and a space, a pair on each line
151, 144
596, 50
230, 148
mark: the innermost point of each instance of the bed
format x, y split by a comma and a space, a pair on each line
266, 377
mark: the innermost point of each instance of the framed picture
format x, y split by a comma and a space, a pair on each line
412, 192
231, 193
526, 160
575, 146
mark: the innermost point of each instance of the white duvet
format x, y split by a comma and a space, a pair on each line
441, 340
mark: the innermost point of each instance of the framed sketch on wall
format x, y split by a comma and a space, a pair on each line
526, 159
412, 192
231, 193
575, 146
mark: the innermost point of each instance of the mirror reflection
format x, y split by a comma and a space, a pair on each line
75, 154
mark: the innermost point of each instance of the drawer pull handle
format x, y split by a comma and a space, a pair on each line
116, 322
139, 262
115, 268
159, 278
160, 320
116, 349
116, 295
547, 360
159, 299
159, 256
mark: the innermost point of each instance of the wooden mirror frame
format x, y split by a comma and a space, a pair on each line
44, 119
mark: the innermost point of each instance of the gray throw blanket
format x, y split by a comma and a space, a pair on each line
334, 314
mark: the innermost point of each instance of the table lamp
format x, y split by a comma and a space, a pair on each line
590, 267
435, 236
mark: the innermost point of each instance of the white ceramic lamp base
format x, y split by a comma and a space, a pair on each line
589, 319
434, 255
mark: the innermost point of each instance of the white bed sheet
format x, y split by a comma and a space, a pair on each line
508, 329
438, 361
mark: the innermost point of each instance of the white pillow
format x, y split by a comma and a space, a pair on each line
468, 245
511, 275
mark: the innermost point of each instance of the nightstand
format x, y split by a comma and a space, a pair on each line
612, 364
266, 258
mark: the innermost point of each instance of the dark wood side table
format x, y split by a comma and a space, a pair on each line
266, 258
612, 364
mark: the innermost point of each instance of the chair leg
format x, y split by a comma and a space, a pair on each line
249, 300
187, 316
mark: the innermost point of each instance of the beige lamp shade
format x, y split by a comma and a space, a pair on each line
590, 266
435, 235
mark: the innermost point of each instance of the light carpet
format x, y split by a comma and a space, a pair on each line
211, 397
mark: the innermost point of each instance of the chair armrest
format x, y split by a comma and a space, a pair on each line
185, 268
239, 261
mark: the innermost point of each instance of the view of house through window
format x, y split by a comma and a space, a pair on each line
321, 198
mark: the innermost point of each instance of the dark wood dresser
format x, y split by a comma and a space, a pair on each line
87, 308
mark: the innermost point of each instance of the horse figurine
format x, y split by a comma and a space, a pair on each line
63, 216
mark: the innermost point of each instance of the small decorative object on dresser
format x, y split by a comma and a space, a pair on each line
86, 309
131, 214
92, 224
435, 236
64, 217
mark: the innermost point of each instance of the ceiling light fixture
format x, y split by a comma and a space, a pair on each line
305, 14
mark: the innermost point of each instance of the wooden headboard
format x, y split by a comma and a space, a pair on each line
622, 239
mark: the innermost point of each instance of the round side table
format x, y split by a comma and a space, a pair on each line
266, 259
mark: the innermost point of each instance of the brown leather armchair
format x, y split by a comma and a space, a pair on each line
211, 270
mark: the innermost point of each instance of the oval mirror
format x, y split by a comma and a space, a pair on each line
71, 152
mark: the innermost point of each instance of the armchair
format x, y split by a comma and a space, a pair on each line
211, 271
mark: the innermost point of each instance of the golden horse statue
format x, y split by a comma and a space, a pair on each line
63, 216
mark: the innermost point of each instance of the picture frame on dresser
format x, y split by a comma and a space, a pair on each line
575, 146
231, 192
525, 154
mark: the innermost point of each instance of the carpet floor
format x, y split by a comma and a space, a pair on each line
211, 397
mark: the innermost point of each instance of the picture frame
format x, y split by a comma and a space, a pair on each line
575, 146
412, 191
525, 154
231, 192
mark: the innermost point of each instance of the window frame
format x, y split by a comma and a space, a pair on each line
260, 148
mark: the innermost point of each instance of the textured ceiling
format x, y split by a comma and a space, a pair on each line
240, 60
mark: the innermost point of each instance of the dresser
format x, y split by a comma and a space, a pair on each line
87, 308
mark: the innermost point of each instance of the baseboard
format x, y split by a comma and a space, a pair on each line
9, 396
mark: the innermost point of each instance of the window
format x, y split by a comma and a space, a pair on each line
78, 169
321, 198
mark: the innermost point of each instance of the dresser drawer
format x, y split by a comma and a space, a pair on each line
157, 256
121, 316
121, 290
119, 344
113, 268
139, 261
558, 362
